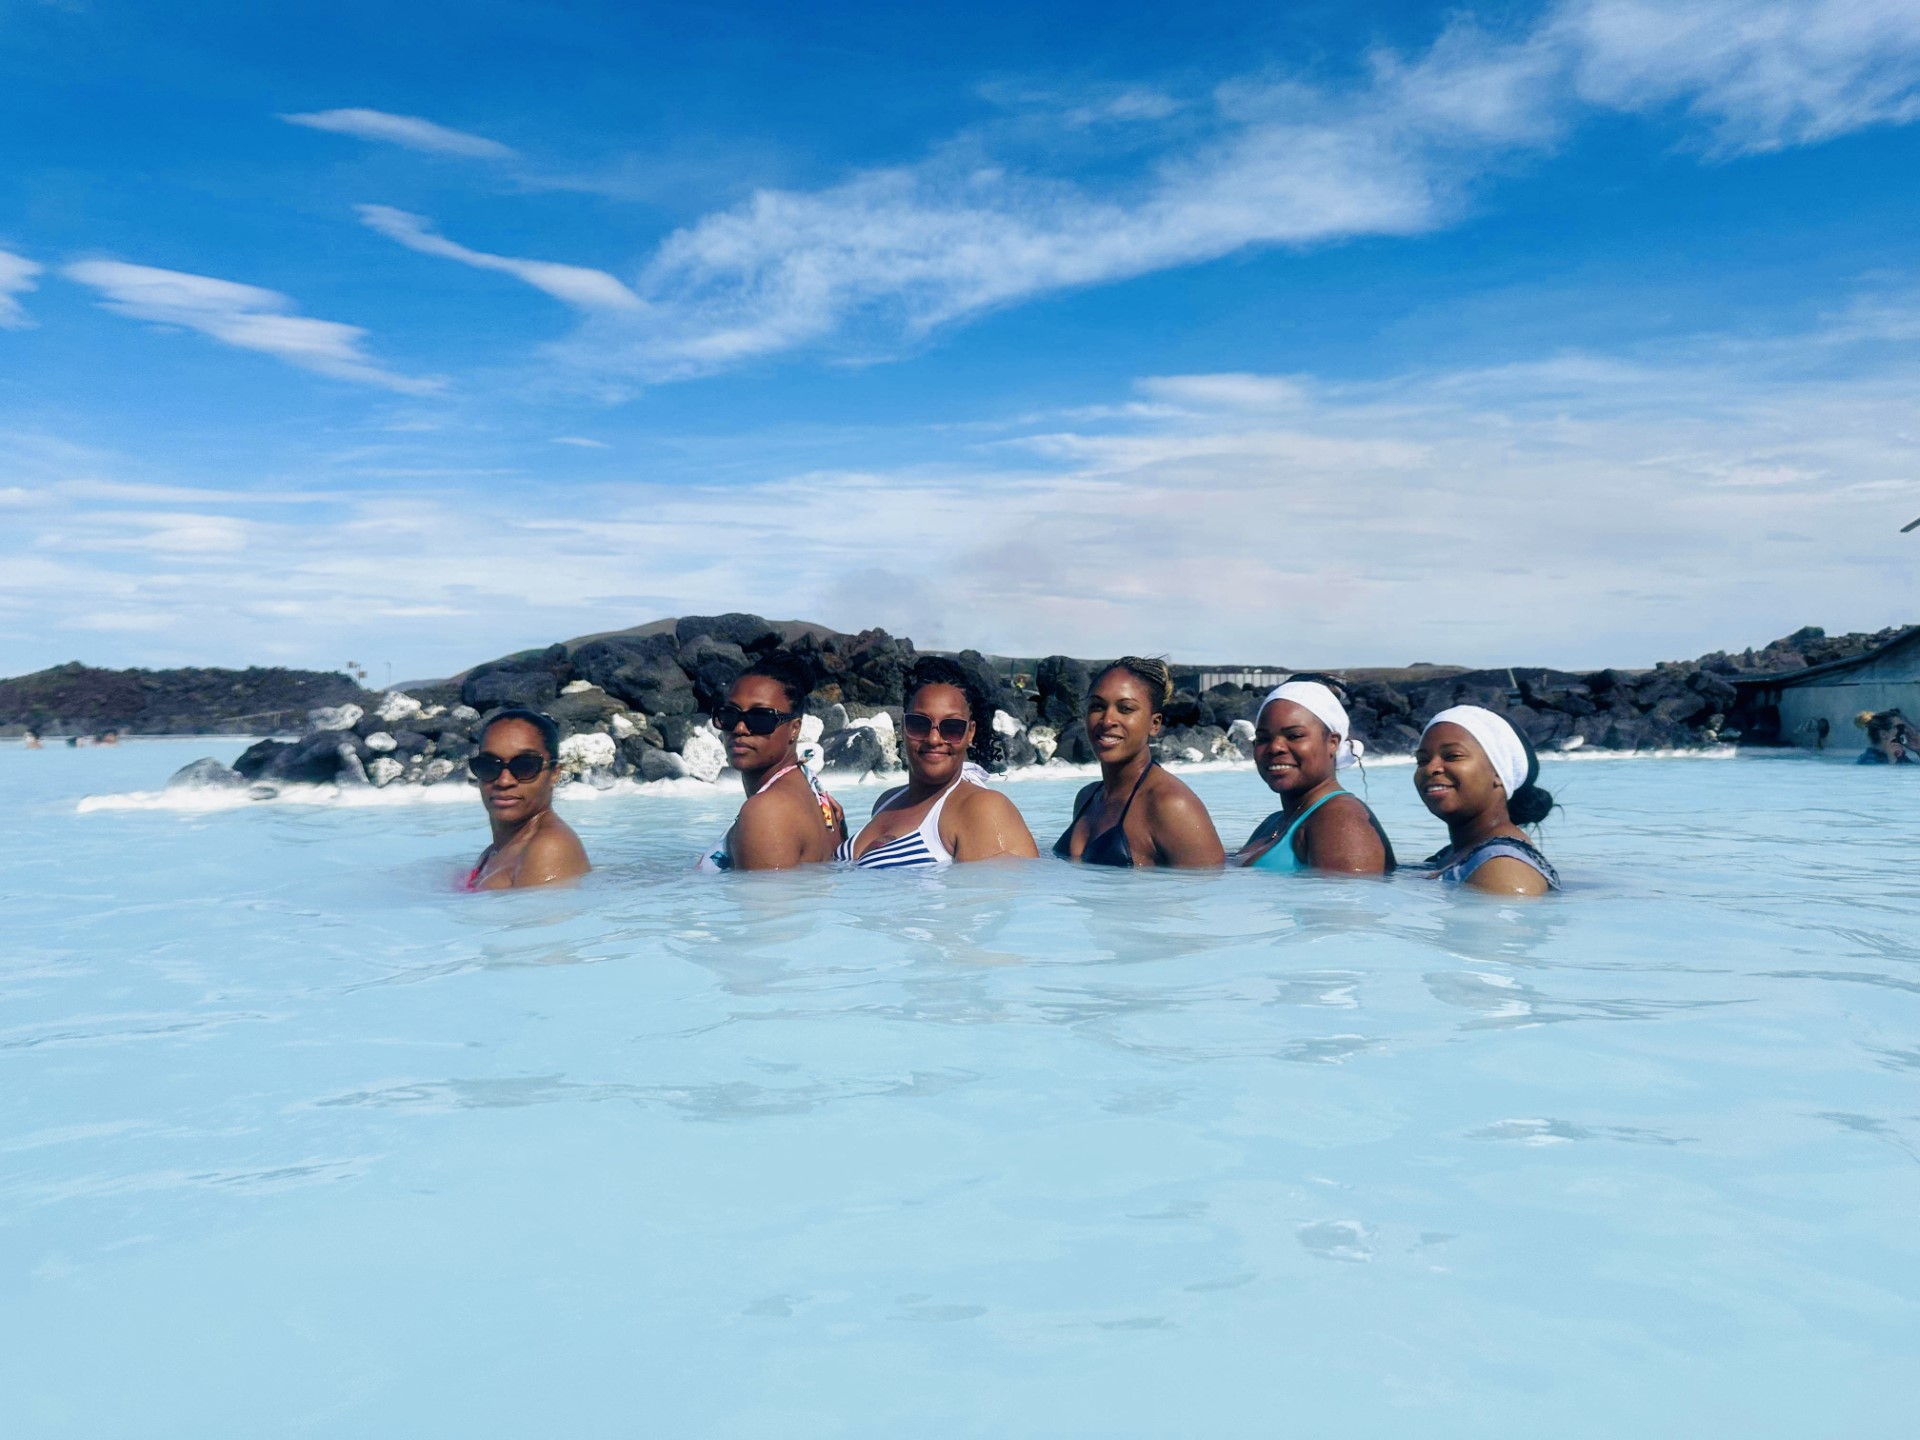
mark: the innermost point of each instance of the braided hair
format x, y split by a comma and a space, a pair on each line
988, 750
1151, 672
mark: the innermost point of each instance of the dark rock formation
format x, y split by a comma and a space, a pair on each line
79, 699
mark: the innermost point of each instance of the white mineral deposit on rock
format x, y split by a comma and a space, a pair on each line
384, 770
706, 757
381, 743
396, 706
337, 717
582, 753
1005, 724
574, 687
1045, 741
812, 727
622, 727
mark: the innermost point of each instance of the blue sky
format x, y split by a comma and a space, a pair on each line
1581, 333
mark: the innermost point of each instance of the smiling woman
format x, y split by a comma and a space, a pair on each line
1480, 775
944, 812
1301, 742
1136, 813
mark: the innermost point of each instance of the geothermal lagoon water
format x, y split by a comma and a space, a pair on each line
295, 1140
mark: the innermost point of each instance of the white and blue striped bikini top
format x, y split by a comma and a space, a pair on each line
920, 849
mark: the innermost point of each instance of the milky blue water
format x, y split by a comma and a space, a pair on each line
296, 1141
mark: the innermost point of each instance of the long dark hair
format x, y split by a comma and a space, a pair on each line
988, 750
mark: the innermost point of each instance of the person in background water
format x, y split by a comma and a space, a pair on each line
517, 767
1136, 813
944, 812
1477, 773
1890, 739
1300, 741
787, 819
31, 739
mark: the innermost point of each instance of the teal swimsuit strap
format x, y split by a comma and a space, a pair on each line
1281, 851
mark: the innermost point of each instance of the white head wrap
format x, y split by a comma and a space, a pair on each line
1321, 703
1496, 737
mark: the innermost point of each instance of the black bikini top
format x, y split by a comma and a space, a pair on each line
1110, 846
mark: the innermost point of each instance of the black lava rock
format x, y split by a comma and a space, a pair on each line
713, 665
1063, 683
497, 689
752, 634
1075, 748
258, 756
855, 751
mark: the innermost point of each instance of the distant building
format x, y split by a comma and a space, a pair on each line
1815, 707
1251, 679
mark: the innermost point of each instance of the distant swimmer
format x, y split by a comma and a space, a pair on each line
788, 819
944, 812
1890, 738
1477, 773
31, 739
1301, 739
1136, 813
517, 768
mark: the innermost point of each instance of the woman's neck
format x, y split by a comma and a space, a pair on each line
1465, 833
1292, 805
1124, 774
505, 832
920, 788
754, 780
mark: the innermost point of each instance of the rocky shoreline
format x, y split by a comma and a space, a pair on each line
634, 706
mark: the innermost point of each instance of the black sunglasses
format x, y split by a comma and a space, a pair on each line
760, 720
523, 767
920, 726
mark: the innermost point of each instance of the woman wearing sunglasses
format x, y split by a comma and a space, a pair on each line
1136, 813
516, 768
944, 812
788, 819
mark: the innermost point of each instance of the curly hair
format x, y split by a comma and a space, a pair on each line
794, 675
988, 749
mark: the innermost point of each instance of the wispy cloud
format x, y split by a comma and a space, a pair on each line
409, 131
16, 278
581, 442
576, 285
887, 256
1711, 492
244, 316
1762, 75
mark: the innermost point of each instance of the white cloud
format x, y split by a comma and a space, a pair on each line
1576, 510
1763, 73
245, 316
886, 256
587, 289
409, 131
581, 442
16, 278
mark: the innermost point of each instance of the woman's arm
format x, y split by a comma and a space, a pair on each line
1183, 832
1504, 875
553, 857
988, 825
768, 834
1341, 839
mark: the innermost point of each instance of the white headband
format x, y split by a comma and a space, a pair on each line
1321, 703
1496, 736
